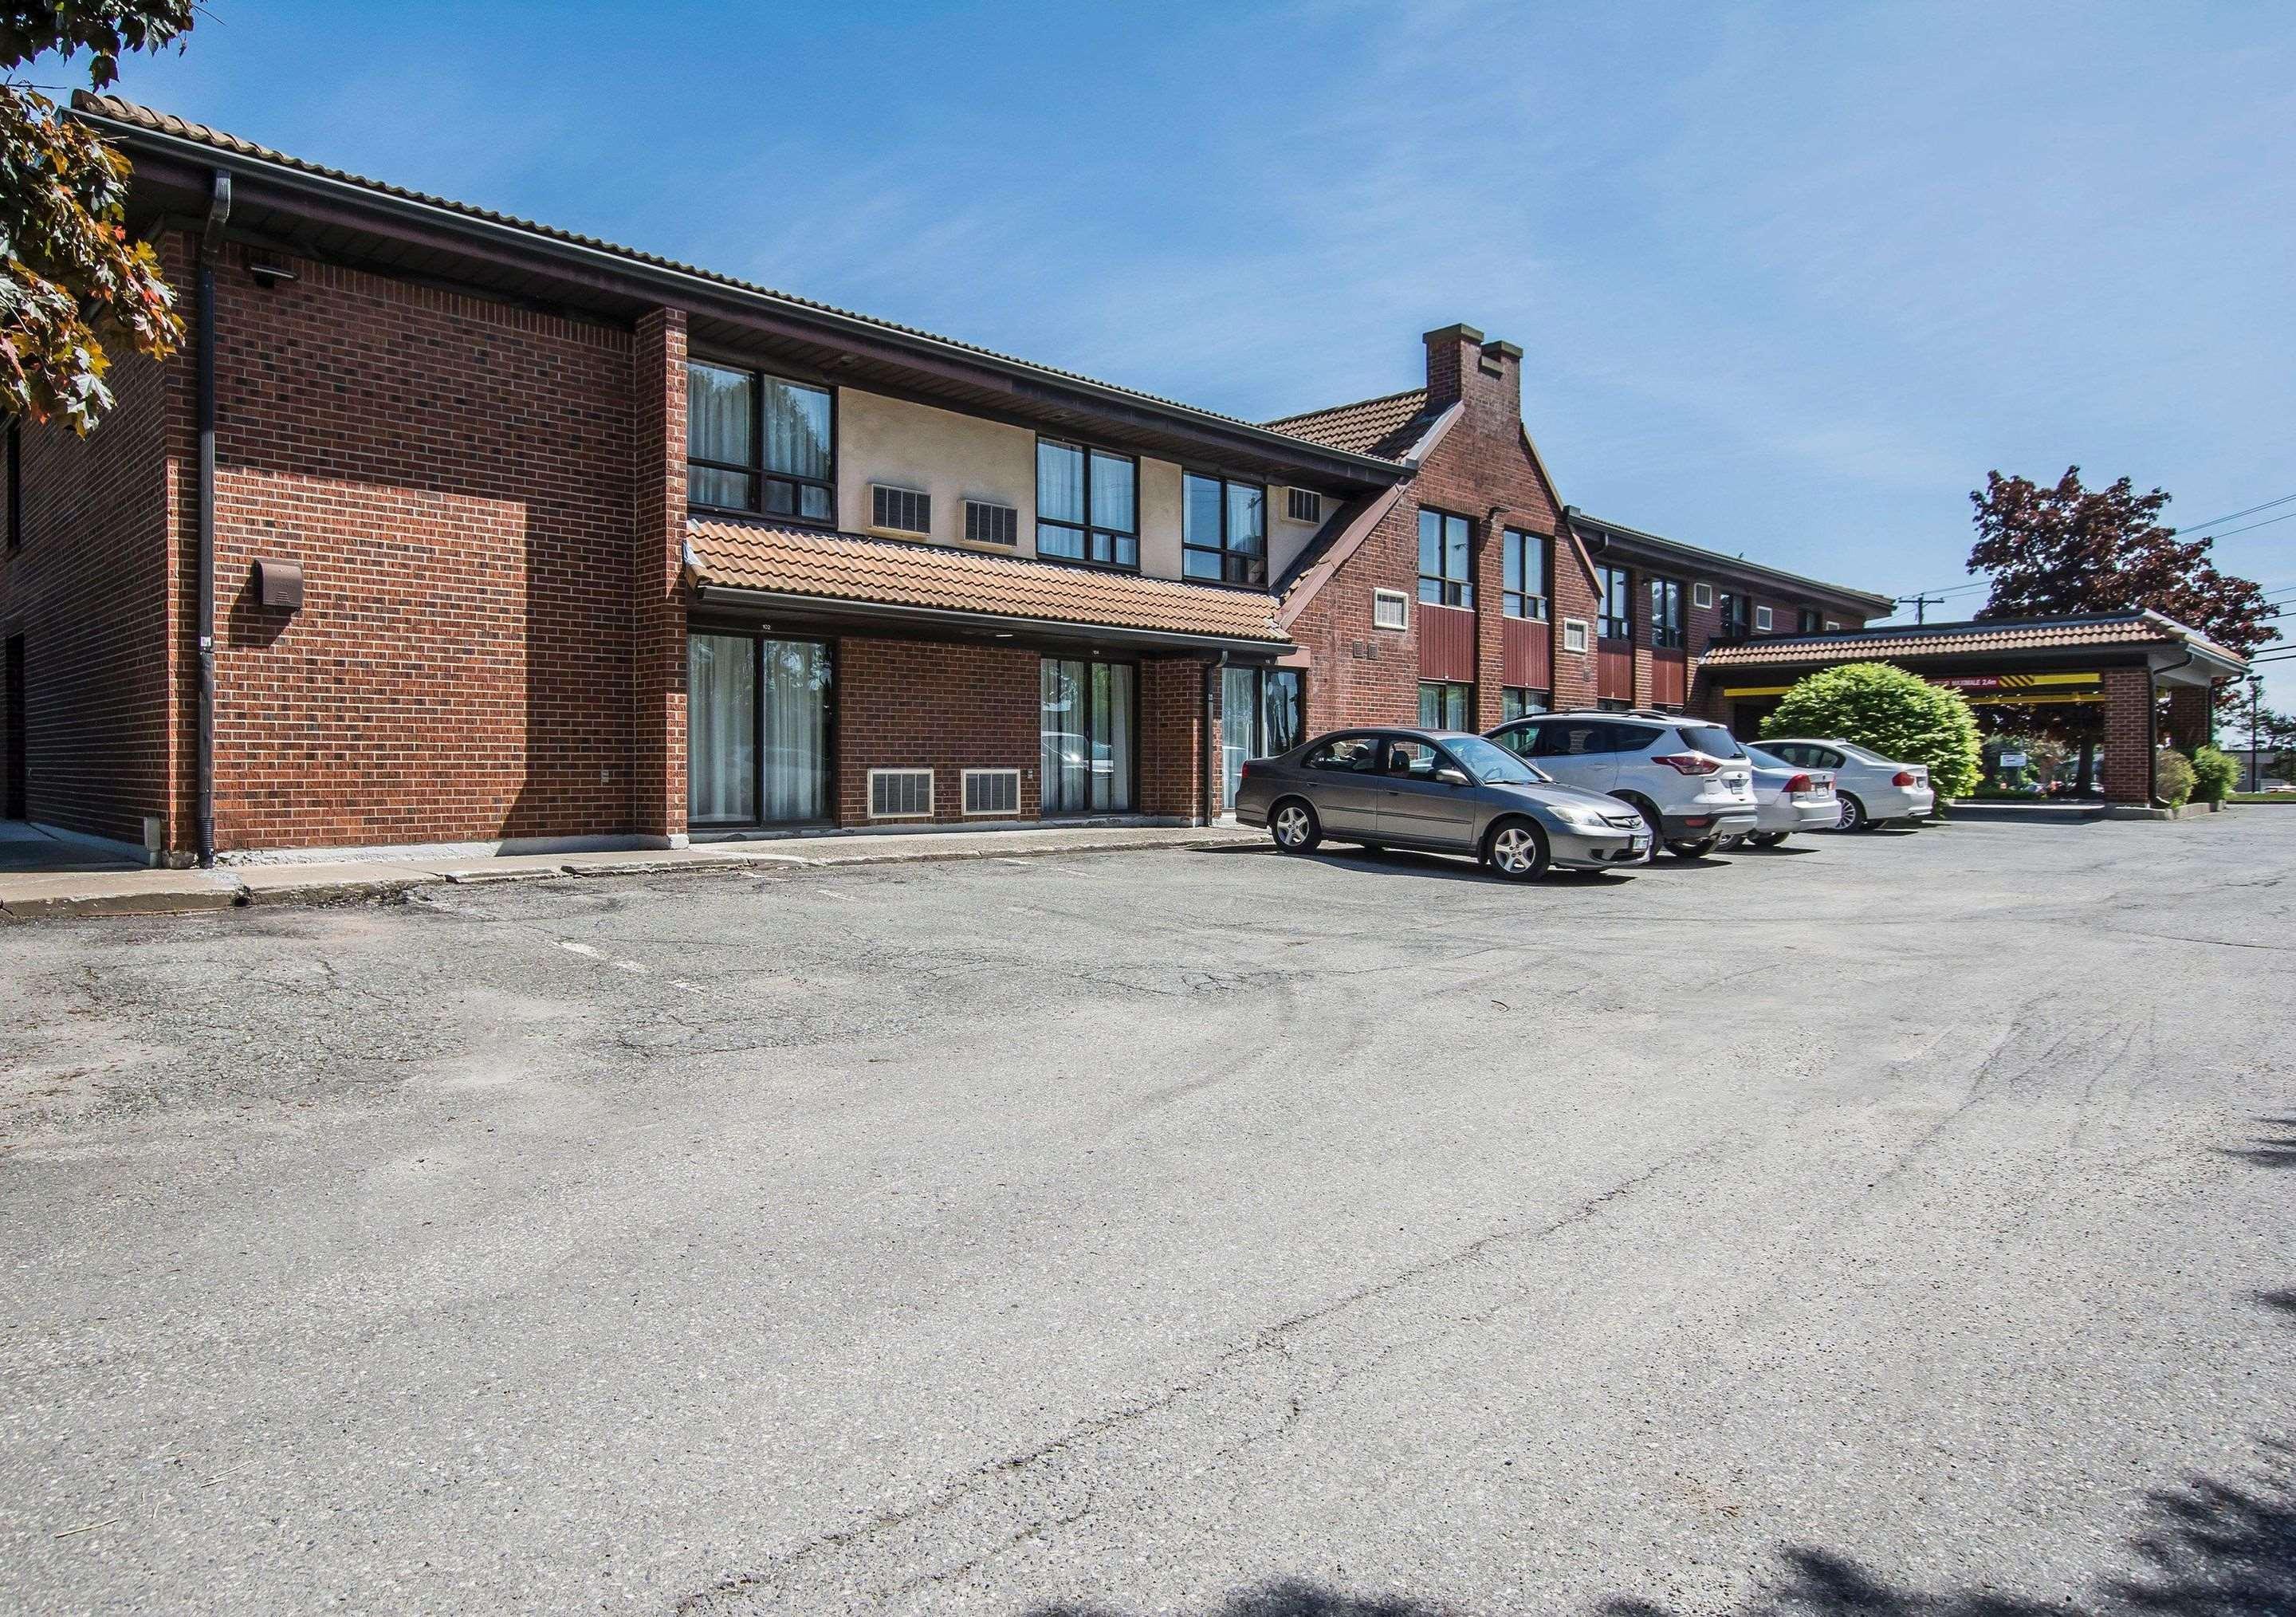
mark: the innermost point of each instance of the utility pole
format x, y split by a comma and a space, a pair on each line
1921, 605
2255, 695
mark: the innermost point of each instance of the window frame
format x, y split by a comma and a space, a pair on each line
1401, 602
757, 376
1764, 620
1515, 558
1735, 615
1466, 687
1088, 527
1044, 786
1224, 552
1445, 587
1524, 694
1609, 580
1667, 619
1809, 620
758, 638
1574, 635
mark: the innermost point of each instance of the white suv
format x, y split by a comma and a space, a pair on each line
1690, 779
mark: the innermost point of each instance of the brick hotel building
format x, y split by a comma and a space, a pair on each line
447, 527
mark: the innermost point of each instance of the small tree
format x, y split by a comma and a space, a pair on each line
71, 280
1889, 711
2215, 775
2172, 777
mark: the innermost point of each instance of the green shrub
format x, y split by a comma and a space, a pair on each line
2172, 777
1899, 715
2215, 774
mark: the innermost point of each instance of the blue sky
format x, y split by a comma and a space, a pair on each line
1790, 279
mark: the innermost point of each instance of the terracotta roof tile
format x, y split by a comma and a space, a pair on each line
122, 110
895, 572
1384, 427
1947, 639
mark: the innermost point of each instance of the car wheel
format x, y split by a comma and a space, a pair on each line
1651, 822
1729, 843
1853, 815
1683, 849
1767, 839
1517, 850
1294, 826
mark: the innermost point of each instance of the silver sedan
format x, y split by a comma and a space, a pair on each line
1787, 798
1443, 791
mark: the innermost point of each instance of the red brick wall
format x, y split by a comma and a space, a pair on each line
657, 591
454, 475
91, 593
1172, 743
917, 704
2127, 771
1357, 674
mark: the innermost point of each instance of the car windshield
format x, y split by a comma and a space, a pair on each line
1712, 740
1495, 766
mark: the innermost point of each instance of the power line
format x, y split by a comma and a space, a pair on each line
2233, 516
2285, 516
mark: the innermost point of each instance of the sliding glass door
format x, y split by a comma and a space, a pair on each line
757, 727
1259, 718
1088, 721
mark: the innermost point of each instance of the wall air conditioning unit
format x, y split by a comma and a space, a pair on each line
903, 510
900, 794
1304, 505
1702, 594
993, 792
987, 522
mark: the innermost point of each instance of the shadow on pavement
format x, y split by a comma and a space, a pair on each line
1282, 1599
2275, 1151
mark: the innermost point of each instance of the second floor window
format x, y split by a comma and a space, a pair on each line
1618, 603
1444, 576
1737, 617
1087, 505
1523, 563
1224, 530
1666, 613
755, 442
1811, 622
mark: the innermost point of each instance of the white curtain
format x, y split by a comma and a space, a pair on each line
721, 707
796, 710
1112, 735
1239, 740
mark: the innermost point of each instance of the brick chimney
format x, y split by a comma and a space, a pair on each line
1487, 375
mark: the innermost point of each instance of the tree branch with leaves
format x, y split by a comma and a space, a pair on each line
73, 284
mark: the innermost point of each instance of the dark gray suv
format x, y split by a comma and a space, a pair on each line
1444, 791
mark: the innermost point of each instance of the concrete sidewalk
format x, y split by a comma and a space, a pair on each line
34, 894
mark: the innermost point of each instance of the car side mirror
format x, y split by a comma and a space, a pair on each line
1452, 777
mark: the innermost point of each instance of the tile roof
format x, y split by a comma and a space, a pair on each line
1385, 427
1978, 635
120, 110
940, 577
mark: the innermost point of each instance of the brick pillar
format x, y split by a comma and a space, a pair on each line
1172, 742
2128, 712
1489, 574
2190, 716
657, 582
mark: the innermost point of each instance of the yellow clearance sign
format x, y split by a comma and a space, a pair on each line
2024, 690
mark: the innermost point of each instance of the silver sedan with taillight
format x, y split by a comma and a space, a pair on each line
1870, 790
1787, 799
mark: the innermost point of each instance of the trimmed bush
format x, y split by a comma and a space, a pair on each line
1899, 715
2215, 774
2172, 777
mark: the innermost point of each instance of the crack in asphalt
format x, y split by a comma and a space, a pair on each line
1274, 1339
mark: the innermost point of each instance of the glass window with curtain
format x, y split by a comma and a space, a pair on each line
1259, 718
1087, 718
1737, 614
757, 730
1666, 613
1515, 701
1444, 543
758, 443
1523, 567
1611, 585
1446, 705
1087, 505
1224, 530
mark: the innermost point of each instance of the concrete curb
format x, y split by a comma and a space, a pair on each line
151, 893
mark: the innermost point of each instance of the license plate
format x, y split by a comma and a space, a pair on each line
1638, 842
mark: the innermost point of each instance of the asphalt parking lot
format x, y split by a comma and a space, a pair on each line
1899, 1224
